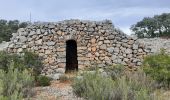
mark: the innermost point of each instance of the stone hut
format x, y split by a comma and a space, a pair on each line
74, 44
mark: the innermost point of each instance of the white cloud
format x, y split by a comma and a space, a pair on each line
122, 13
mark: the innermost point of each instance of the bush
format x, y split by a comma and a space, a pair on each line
158, 67
27, 61
5, 60
15, 84
43, 80
93, 86
32, 60
115, 71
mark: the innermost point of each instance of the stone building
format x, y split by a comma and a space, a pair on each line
74, 44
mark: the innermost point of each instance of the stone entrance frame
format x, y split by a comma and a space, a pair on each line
98, 44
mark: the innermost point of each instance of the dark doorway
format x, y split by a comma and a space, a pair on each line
71, 56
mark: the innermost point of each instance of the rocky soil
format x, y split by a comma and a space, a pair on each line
56, 91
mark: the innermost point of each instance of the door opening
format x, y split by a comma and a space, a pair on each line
71, 56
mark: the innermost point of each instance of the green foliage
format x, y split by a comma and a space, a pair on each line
158, 67
27, 61
15, 84
9, 27
31, 60
93, 86
43, 80
5, 60
157, 26
115, 71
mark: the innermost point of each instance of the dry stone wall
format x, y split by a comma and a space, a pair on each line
98, 43
156, 44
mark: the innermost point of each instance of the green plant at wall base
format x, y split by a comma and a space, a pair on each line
93, 86
15, 84
27, 61
5, 60
115, 71
43, 80
31, 60
158, 67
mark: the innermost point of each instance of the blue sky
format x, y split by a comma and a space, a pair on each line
123, 13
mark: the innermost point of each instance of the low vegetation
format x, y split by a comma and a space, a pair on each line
15, 84
93, 86
19, 73
43, 80
120, 84
158, 67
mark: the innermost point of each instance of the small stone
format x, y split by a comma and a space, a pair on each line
51, 26
93, 49
97, 54
22, 39
110, 50
128, 51
61, 65
81, 48
50, 43
111, 37
116, 50
47, 52
56, 76
135, 46
106, 41
19, 50
139, 63
91, 29
59, 32
103, 46
39, 42
101, 38
60, 70
93, 40
131, 42
38, 31
140, 50
113, 57
100, 43
32, 33
24, 46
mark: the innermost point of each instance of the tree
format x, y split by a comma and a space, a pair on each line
156, 26
9, 27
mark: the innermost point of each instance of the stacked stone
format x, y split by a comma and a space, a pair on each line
98, 43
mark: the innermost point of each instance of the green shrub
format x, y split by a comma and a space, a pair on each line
5, 60
32, 60
27, 61
92, 86
115, 71
158, 67
43, 80
15, 84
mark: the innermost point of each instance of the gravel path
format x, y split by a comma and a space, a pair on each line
56, 91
